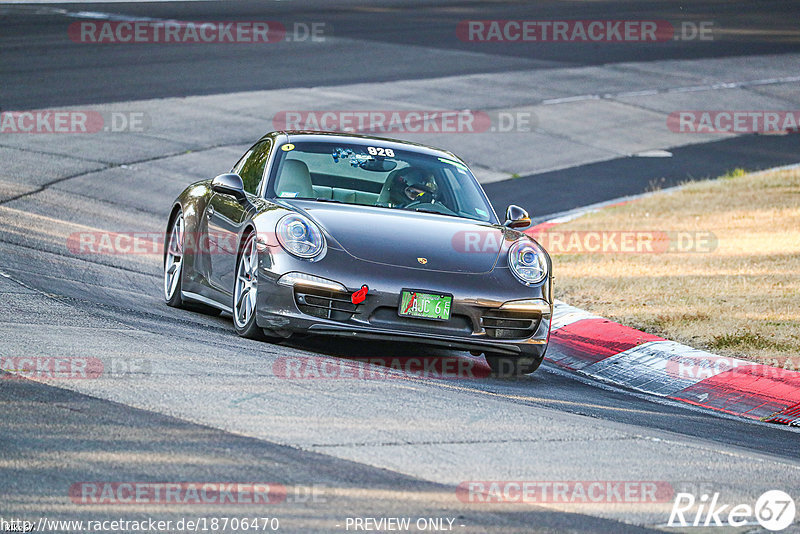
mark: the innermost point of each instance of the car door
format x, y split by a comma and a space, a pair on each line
226, 215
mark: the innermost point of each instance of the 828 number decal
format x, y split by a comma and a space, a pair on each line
377, 151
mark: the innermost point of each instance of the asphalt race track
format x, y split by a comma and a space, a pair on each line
189, 401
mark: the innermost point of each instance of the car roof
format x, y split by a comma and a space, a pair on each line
301, 136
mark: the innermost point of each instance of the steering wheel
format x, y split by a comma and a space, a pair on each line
415, 203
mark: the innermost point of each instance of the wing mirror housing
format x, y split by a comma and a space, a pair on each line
517, 217
229, 184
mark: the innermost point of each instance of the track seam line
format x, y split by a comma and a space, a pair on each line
473, 442
74, 257
47, 185
49, 153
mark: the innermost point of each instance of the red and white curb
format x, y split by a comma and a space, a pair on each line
611, 352
601, 349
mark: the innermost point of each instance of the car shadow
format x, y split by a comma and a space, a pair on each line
409, 359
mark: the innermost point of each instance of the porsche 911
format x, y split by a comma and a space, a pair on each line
362, 237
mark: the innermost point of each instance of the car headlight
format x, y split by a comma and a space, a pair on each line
299, 236
527, 261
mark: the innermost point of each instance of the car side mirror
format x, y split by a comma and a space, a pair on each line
229, 184
517, 217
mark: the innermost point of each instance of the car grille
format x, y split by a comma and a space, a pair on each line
509, 325
325, 304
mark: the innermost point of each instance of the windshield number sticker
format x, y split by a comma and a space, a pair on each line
378, 151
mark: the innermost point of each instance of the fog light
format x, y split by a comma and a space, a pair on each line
530, 305
309, 280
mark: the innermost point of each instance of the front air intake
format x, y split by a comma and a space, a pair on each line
325, 304
509, 324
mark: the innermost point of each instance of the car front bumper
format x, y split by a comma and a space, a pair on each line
480, 300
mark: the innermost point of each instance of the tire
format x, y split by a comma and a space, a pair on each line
173, 261
245, 290
173, 269
503, 366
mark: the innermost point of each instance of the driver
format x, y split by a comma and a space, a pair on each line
412, 185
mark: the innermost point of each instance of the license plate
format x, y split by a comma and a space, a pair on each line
433, 306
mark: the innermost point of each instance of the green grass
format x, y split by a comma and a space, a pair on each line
735, 173
746, 339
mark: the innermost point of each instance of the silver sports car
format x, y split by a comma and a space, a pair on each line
350, 235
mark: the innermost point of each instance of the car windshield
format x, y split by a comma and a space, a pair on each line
375, 175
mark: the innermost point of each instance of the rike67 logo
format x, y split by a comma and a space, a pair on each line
774, 510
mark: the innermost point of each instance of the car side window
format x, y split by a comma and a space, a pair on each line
251, 166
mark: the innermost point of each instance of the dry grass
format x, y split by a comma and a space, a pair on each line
742, 299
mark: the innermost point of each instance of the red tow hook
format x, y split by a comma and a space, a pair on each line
359, 296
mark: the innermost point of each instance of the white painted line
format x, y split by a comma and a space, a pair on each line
653, 154
777, 169
689, 89
567, 99
98, 15
94, 15
570, 215
646, 92
771, 81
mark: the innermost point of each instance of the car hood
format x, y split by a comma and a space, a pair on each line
409, 239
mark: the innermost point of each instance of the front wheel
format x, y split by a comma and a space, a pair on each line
173, 262
503, 366
246, 290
